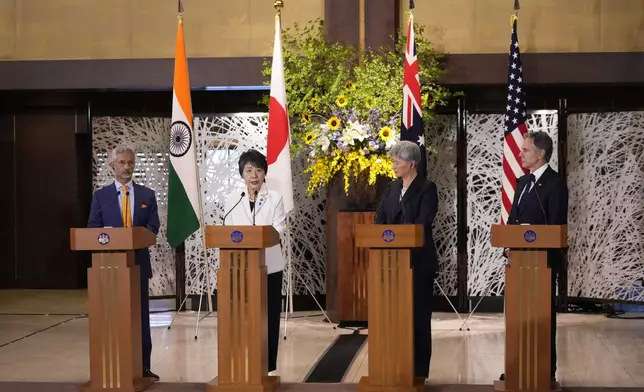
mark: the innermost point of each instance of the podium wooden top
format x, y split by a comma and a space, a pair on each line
241, 237
389, 236
110, 239
530, 236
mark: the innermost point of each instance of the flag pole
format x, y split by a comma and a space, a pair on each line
279, 4
201, 214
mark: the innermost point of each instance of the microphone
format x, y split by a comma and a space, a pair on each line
255, 209
375, 215
231, 210
545, 217
118, 193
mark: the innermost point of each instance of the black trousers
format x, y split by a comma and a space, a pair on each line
274, 289
146, 338
423, 281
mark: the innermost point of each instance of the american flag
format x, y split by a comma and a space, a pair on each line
412, 117
515, 125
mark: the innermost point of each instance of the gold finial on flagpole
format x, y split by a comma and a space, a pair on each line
278, 4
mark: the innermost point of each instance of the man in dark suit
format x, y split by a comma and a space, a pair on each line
124, 203
413, 199
541, 198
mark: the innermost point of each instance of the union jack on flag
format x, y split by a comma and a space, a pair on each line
412, 117
515, 126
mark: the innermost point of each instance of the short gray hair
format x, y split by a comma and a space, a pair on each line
542, 142
406, 151
119, 150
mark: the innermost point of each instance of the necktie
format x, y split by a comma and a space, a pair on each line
531, 180
125, 210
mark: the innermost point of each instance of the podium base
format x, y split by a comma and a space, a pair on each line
269, 384
365, 386
137, 385
499, 386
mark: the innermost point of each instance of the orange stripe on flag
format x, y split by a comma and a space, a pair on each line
181, 80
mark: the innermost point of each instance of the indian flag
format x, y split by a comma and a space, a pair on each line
183, 189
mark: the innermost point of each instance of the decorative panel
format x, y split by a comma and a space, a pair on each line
441, 137
221, 140
484, 169
149, 137
606, 207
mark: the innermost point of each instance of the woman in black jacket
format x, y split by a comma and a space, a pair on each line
412, 199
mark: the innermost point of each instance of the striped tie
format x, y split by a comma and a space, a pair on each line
127, 217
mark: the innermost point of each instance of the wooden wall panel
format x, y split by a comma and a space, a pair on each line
124, 29
7, 200
545, 26
48, 203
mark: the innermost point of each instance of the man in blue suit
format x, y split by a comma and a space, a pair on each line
124, 203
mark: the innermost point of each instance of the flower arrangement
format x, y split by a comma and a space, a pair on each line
345, 103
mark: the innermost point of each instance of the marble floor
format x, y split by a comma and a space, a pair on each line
593, 350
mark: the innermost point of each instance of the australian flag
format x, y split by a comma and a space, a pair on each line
412, 115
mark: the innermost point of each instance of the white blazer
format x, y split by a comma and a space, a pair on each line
269, 210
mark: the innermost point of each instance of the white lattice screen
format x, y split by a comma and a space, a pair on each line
484, 168
606, 198
605, 177
441, 136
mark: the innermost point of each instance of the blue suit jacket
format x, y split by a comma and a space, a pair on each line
145, 214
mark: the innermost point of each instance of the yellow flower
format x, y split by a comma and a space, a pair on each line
341, 101
425, 99
306, 117
385, 133
333, 123
371, 103
315, 102
309, 137
350, 86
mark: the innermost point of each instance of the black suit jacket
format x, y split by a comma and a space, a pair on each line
551, 189
418, 206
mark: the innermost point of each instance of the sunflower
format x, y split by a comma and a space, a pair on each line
309, 137
350, 86
341, 101
306, 117
385, 133
315, 102
333, 123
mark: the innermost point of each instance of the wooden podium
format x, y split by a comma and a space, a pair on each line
242, 324
390, 295
528, 304
114, 292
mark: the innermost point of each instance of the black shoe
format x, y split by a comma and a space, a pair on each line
148, 374
502, 378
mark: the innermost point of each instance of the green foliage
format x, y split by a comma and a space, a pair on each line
359, 88
314, 67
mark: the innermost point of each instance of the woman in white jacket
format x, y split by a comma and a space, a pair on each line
258, 205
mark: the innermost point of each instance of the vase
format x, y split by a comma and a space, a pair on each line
361, 195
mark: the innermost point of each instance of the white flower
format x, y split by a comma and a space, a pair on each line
346, 138
357, 131
324, 142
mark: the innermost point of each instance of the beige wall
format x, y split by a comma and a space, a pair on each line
105, 29
483, 26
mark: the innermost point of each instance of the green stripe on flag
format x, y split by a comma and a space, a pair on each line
182, 218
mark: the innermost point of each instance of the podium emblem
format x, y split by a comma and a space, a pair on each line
236, 236
388, 235
103, 239
530, 236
